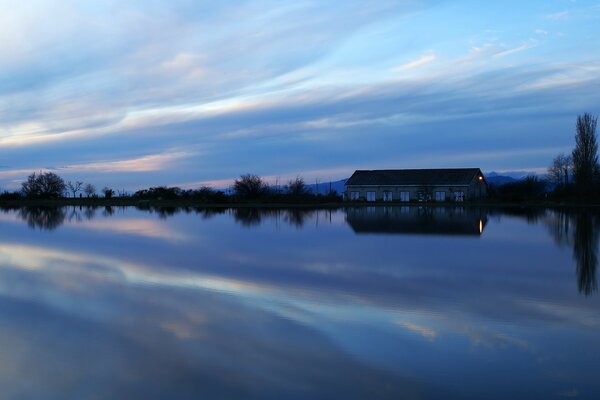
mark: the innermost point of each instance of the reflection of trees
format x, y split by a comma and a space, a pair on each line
252, 216
581, 232
249, 216
297, 217
585, 253
53, 217
560, 226
47, 218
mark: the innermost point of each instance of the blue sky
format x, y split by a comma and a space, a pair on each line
190, 92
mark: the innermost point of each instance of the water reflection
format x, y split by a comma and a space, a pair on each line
291, 303
417, 220
579, 230
48, 218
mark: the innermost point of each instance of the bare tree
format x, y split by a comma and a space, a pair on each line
297, 187
44, 184
249, 186
89, 189
560, 170
585, 153
74, 187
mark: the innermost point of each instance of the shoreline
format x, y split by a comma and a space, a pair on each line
143, 203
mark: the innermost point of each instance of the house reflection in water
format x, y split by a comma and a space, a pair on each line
417, 220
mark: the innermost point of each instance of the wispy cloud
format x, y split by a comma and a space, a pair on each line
523, 47
147, 163
558, 16
290, 81
427, 333
425, 59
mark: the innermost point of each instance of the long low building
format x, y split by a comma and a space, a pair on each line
404, 185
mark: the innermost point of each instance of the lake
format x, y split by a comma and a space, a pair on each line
357, 303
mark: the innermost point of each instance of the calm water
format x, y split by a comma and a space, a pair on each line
350, 304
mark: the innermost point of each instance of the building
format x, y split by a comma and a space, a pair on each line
404, 185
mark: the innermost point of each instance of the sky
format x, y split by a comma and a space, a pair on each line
190, 93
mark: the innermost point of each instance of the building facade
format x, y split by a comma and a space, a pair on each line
417, 185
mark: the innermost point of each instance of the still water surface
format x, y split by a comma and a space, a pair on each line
364, 303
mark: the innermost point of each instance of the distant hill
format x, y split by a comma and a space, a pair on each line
498, 180
323, 187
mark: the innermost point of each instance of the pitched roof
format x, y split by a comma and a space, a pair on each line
425, 177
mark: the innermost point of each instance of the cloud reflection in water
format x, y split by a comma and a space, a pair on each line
276, 308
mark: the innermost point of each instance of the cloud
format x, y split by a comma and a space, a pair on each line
425, 59
270, 87
427, 333
147, 163
523, 47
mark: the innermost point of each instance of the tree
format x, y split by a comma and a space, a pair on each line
249, 186
585, 153
108, 192
44, 184
74, 187
89, 190
297, 187
560, 170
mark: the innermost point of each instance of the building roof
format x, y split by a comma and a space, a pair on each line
416, 177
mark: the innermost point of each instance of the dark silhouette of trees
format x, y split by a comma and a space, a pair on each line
89, 190
74, 187
246, 188
43, 185
207, 194
159, 193
585, 154
297, 187
250, 187
11, 196
527, 189
559, 172
108, 192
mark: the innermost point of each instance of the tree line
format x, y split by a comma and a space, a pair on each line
573, 177
248, 187
577, 175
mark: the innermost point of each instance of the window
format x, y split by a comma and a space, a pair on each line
387, 196
354, 196
459, 196
370, 196
440, 196
404, 196
424, 196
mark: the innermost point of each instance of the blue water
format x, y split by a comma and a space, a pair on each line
364, 303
